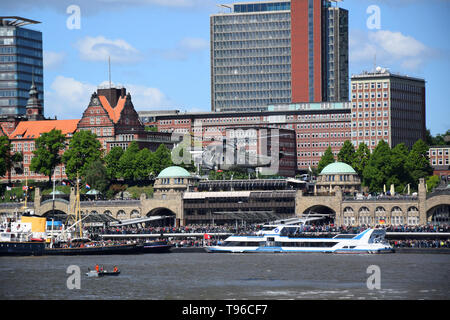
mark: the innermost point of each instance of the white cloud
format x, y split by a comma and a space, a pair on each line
68, 97
185, 48
145, 98
100, 48
53, 60
194, 44
389, 48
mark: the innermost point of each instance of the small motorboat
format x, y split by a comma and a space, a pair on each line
108, 273
94, 273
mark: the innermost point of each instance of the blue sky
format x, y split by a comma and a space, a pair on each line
159, 49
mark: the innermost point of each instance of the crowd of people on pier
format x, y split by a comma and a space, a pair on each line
420, 243
253, 228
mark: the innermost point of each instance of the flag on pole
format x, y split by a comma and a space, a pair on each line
88, 186
206, 236
309, 168
63, 183
25, 188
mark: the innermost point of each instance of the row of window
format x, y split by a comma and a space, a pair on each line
252, 27
14, 93
20, 50
370, 133
439, 162
238, 19
320, 144
372, 85
250, 52
252, 44
372, 124
372, 95
396, 220
372, 104
32, 70
439, 152
372, 114
253, 86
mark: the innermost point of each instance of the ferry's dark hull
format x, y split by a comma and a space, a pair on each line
22, 248
156, 247
100, 250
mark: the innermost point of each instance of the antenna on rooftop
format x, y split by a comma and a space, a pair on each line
375, 62
109, 70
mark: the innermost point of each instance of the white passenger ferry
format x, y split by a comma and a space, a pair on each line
290, 239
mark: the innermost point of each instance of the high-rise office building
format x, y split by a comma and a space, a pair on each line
272, 52
20, 63
387, 106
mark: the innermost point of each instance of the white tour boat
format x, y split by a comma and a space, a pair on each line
291, 239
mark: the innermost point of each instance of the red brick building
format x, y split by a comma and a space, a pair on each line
317, 126
22, 140
112, 117
387, 106
440, 160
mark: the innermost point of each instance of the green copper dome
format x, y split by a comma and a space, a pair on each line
174, 172
338, 168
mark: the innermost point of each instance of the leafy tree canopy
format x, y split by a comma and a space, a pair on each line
326, 159
347, 153
84, 148
47, 154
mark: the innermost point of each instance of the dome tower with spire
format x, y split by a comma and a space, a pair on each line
35, 110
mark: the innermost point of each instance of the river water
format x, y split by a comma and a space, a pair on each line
203, 276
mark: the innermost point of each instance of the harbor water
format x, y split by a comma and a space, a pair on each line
202, 276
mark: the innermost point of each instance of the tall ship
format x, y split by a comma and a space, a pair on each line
291, 239
75, 241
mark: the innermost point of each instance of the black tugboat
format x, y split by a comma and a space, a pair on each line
93, 248
156, 247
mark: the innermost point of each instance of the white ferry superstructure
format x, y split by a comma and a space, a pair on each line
290, 239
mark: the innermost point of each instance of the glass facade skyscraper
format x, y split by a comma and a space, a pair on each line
273, 52
251, 56
20, 62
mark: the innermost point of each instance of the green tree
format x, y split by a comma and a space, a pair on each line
438, 140
418, 163
161, 159
143, 164
8, 159
97, 176
5, 151
399, 175
127, 162
378, 168
362, 156
47, 154
432, 182
326, 159
347, 153
112, 162
84, 148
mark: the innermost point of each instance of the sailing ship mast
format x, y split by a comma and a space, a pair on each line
77, 207
26, 195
